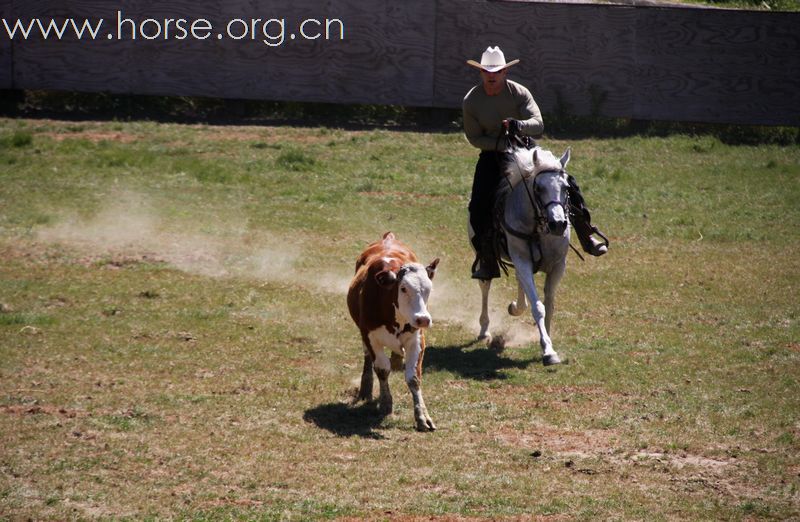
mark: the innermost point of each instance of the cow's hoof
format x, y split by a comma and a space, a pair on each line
425, 424
364, 394
550, 360
498, 344
385, 408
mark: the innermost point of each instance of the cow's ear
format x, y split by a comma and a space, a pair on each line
431, 268
385, 278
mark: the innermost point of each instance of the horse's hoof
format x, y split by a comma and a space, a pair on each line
485, 337
550, 360
515, 310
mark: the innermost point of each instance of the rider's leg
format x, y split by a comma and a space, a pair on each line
484, 184
581, 220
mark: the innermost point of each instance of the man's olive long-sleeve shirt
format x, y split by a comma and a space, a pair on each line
484, 114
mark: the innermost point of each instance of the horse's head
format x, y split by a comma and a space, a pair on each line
550, 189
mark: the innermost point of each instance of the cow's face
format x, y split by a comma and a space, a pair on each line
413, 286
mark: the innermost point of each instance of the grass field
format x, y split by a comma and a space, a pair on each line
174, 340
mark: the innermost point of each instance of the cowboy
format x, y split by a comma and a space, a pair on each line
493, 104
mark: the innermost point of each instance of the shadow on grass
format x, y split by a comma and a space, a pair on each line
345, 420
481, 364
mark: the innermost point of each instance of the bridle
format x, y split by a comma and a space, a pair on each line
539, 209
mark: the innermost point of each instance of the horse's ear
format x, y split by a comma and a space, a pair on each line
565, 158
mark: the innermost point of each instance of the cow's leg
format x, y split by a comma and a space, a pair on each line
415, 349
486, 285
385, 397
518, 307
365, 391
524, 270
383, 367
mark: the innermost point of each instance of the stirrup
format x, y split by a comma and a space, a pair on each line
485, 271
596, 230
598, 248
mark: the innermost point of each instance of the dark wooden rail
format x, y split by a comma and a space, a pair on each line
707, 65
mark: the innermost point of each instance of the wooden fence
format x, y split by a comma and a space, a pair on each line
686, 64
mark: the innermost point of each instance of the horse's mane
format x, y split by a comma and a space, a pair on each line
544, 160
541, 160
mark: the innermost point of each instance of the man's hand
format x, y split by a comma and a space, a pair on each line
514, 126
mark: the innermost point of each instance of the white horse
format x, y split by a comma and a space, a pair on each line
536, 226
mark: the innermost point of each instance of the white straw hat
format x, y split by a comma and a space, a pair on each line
492, 60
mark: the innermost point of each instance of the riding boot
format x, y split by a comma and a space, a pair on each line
581, 220
485, 266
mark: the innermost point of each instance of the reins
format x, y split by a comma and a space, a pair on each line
539, 210
527, 190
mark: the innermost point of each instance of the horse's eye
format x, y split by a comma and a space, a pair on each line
403, 289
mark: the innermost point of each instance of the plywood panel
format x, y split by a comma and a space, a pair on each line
569, 54
718, 66
6, 63
385, 56
649, 63
71, 64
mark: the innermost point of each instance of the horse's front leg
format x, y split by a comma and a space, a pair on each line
486, 285
518, 307
550, 286
524, 269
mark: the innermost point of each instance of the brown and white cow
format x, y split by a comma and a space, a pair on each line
388, 302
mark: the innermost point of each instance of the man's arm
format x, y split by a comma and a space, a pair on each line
531, 122
474, 133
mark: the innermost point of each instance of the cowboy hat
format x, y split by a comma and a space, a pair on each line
492, 60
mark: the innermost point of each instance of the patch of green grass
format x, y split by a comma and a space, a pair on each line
191, 354
126, 420
16, 139
25, 318
295, 160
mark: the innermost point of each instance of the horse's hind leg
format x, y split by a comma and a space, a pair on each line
518, 307
486, 285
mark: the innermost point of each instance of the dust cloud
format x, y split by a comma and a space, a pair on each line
455, 299
130, 227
